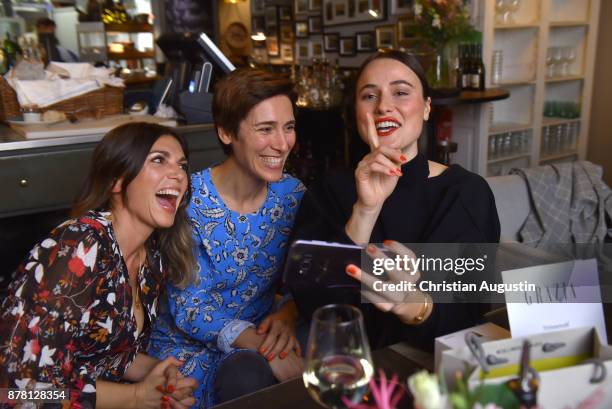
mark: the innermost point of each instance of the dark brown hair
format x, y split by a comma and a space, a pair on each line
408, 60
45, 22
121, 155
242, 89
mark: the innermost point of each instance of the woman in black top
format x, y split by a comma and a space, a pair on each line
397, 194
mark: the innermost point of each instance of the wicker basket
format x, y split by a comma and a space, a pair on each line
101, 102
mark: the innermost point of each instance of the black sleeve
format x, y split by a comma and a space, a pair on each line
479, 203
324, 210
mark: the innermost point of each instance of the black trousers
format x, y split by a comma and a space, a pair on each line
242, 373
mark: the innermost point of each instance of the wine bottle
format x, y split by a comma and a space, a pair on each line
467, 69
480, 69
460, 65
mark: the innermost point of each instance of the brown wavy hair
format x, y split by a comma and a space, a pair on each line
121, 155
238, 92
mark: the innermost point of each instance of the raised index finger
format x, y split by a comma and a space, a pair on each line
372, 134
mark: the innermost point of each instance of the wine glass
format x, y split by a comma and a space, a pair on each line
558, 60
513, 6
550, 62
338, 359
569, 55
501, 11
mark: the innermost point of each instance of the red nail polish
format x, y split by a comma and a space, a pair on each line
388, 242
403, 158
352, 270
399, 172
392, 172
160, 388
165, 398
170, 388
165, 405
263, 350
283, 355
270, 357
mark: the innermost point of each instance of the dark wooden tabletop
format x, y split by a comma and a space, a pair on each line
472, 97
399, 359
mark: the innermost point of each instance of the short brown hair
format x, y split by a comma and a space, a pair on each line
242, 89
45, 22
121, 155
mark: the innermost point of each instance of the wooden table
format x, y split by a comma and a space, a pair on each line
400, 359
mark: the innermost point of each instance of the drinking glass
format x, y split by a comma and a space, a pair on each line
492, 147
513, 6
499, 145
546, 140
569, 55
501, 11
558, 61
338, 359
550, 62
496, 67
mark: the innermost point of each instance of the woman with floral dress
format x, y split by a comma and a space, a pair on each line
81, 306
227, 328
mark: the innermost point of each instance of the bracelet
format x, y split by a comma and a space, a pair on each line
422, 315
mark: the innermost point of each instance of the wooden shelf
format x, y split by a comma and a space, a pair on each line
550, 121
504, 127
516, 26
565, 79
560, 155
509, 158
568, 23
131, 55
128, 28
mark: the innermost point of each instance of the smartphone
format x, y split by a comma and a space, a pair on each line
321, 264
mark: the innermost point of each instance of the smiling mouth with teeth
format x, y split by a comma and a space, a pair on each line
168, 198
273, 161
386, 126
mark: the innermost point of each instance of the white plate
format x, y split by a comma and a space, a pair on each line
15, 121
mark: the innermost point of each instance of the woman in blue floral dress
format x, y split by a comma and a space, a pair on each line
242, 212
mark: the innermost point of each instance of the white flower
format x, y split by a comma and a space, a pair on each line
426, 390
418, 9
436, 22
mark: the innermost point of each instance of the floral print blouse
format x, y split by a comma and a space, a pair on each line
239, 261
68, 317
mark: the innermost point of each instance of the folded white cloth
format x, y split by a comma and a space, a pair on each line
84, 78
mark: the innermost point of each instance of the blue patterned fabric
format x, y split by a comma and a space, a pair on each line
239, 261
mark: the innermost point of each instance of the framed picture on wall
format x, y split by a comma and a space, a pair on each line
302, 50
315, 25
272, 46
286, 32
317, 48
402, 7
301, 29
366, 41
258, 6
287, 52
271, 16
406, 32
284, 13
331, 42
300, 6
314, 5
347, 46
329, 11
385, 36
258, 24
353, 11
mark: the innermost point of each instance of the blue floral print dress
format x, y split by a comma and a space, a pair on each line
239, 260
